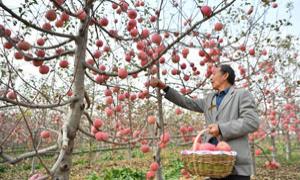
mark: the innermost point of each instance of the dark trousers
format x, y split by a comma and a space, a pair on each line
233, 177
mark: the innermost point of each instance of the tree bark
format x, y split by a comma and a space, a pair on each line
61, 169
288, 146
253, 157
159, 174
274, 150
131, 135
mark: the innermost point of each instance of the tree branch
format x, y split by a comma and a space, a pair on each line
65, 139
9, 159
33, 26
54, 46
37, 58
38, 106
165, 50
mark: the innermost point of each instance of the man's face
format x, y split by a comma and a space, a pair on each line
218, 78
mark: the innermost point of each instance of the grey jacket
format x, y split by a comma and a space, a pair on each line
236, 116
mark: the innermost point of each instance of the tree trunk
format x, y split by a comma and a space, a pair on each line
161, 130
288, 146
253, 157
61, 169
36, 142
131, 132
274, 151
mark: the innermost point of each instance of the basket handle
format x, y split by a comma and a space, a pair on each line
197, 138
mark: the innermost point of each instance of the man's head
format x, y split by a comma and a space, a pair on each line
222, 77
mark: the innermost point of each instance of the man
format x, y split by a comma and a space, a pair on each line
230, 114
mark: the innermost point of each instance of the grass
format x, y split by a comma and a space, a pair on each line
116, 164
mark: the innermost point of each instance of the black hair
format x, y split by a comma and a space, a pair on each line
225, 68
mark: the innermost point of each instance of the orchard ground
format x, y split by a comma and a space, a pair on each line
116, 164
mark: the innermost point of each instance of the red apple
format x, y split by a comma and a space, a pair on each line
122, 73
47, 26
132, 14
40, 42
7, 32
274, 5
165, 138
108, 111
175, 58
44, 69
11, 95
264, 52
178, 111
223, 146
59, 2
118, 108
69, 93
183, 129
51, 15
185, 52
258, 152
45, 134
18, 55
101, 136
109, 100
23, 45
186, 77
156, 38
145, 148
150, 175
63, 63
242, 47
206, 11
99, 43
59, 23
98, 123
218, 26
106, 49
151, 119
145, 33
107, 92
64, 16
134, 32
121, 97
152, 18
7, 45
37, 63
103, 21
114, 5
81, 14
252, 52
131, 24
154, 166
207, 147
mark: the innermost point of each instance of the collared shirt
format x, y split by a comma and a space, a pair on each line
220, 96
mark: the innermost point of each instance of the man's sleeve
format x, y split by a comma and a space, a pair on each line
187, 103
248, 121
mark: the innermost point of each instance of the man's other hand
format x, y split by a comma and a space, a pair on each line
154, 82
213, 129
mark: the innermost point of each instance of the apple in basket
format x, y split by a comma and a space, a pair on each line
223, 146
204, 146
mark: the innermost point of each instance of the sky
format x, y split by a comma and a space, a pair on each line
295, 29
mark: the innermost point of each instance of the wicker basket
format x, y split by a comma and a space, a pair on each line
214, 165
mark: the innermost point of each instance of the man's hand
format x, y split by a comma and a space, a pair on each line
213, 129
154, 82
